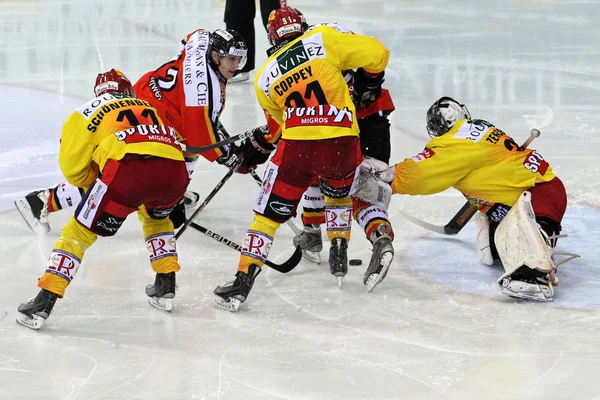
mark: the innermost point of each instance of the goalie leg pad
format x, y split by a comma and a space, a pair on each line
524, 252
484, 251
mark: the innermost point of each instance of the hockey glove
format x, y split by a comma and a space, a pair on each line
367, 87
229, 157
255, 150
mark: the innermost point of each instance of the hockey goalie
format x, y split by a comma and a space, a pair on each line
521, 201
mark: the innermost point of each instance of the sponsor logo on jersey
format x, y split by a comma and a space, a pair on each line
195, 74
473, 130
149, 133
322, 115
155, 89
536, 163
299, 53
424, 155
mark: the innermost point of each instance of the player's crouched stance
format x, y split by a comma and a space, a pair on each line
117, 146
522, 201
324, 148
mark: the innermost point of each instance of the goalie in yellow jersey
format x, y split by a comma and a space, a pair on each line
129, 160
521, 201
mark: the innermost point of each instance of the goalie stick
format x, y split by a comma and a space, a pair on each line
467, 211
284, 268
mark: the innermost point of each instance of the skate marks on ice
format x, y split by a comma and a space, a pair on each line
452, 262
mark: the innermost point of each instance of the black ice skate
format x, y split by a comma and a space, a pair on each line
190, 200
383, 254
162, 292
34, 313
310, 242
34, 210
338, 259
232, 294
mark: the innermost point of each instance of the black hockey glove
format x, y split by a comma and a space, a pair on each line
255, 150
367, 88
229, 157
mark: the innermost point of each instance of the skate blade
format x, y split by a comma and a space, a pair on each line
161, 303
230, 304
340, 280
35, 322
311, 256
25, 210
375, 279
528, 291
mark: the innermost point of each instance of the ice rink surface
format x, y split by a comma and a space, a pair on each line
436, 328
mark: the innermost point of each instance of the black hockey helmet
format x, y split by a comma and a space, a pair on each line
228, 43
443, 114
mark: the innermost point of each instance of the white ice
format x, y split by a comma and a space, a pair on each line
436, 328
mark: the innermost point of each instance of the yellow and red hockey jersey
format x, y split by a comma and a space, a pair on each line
109, 127
476, 158
301, 85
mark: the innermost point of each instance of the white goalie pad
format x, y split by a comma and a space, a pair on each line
484, 251
520, 243
367, 187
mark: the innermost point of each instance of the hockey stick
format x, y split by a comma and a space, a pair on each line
284, 268
208, 199
222, 143
467, 211
452, 227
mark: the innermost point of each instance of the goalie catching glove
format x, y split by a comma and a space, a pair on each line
254, 150
366, 88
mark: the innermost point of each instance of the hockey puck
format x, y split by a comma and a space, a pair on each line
355, 262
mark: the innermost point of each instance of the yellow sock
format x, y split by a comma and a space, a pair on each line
257, 242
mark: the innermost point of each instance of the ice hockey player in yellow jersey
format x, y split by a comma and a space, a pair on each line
521, 201
301, 86
129, 160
